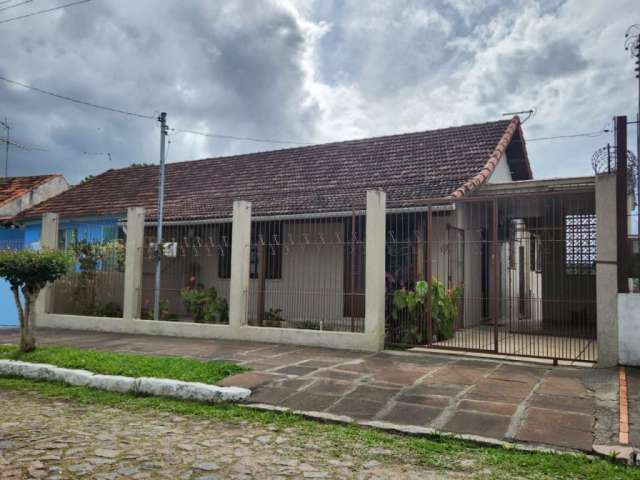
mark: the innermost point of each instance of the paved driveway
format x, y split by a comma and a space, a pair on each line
503, 400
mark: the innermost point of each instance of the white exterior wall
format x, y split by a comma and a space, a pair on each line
312, 282
37, 195
510, 282
470, 220
501, 173
629, 329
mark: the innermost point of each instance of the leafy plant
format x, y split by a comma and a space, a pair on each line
274, 315
205, 305
28, 272
164, 314
410, 304
111, 309
92, 257
307, 325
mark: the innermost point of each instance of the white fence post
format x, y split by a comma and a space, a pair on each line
133, 263
375, 269
606, 271
240, 263
48, 240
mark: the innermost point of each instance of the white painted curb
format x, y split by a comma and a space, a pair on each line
115, 383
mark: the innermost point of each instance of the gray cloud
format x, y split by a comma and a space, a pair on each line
309, 70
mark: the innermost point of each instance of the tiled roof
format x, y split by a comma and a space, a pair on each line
12, 188
329, 177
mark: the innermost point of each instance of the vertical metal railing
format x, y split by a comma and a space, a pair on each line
95, 284
195, 271
527, 282
308, 272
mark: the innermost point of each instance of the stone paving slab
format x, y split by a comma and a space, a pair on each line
497, 398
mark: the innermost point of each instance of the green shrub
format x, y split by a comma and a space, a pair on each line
274, 316
205, 305
411, 305
164, 314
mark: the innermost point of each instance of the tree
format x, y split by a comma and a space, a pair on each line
28, 272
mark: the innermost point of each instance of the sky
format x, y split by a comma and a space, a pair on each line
309, 72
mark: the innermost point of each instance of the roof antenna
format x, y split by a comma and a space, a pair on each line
530, 113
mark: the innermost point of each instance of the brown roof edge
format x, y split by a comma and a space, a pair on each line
492, 162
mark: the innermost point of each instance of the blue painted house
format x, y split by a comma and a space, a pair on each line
18, 194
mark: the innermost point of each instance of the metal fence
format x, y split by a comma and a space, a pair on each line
308, 272
95, 284
509, 275
195, 262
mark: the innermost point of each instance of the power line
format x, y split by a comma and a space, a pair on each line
232, 137
6, 1
575, 135
150, 117
75, 100
16, 5
59, 7
20, 145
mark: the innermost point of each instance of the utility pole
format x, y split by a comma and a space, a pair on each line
5, 124
632, 44
163, 136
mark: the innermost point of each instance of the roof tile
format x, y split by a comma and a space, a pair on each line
329, 177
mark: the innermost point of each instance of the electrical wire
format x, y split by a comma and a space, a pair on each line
21, 146
249, 139
75, 100
575, 135
32, 14
16, 5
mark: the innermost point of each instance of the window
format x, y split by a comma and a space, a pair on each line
111, 232
67, 237
266, 242
580, 244
224, 250
535, 253
265, 236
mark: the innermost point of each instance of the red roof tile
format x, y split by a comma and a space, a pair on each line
329, 177
12, 188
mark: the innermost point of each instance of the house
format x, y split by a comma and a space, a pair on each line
462, 207
16, 195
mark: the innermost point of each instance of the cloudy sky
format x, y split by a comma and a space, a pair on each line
307, 71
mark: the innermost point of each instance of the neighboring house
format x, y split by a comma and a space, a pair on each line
16, 195
307, 243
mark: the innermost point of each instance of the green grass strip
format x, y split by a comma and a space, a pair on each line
436, 452
127, 364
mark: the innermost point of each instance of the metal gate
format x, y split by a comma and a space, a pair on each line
511, 275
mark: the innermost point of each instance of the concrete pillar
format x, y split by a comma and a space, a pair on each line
48, 240
133, 264
240, 263
607, 270
375, 269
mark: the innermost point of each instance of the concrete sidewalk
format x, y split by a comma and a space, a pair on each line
554, 406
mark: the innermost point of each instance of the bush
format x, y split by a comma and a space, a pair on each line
411, 305
164, 314
205, 305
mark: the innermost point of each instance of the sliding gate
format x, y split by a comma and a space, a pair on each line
511, 275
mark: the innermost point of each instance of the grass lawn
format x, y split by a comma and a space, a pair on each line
127, 364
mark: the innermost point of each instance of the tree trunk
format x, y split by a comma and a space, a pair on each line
27, 338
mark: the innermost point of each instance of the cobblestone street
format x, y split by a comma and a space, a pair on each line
44, 438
